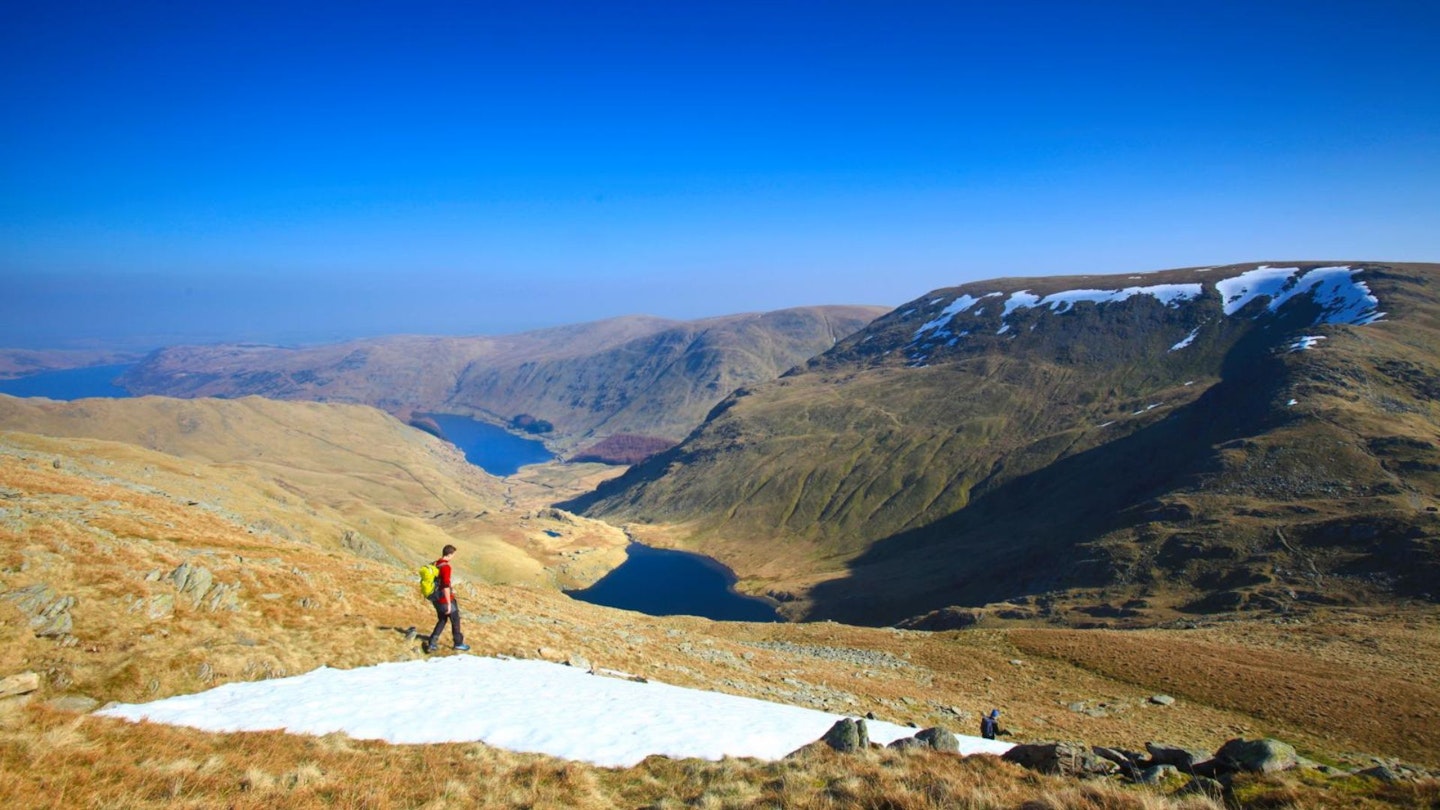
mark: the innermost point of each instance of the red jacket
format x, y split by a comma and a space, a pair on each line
442, 582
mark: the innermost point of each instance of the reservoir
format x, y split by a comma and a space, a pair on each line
661, 582
493, 449
74, 383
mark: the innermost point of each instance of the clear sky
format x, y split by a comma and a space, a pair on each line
306, 171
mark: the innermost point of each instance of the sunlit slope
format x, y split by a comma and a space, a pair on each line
634, 375
353, 477
1157, 435
113, 538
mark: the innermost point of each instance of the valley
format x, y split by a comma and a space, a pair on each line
1125, 510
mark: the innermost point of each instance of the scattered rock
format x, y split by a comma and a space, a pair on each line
1162, 700
847, 736
578, 661
1258, 756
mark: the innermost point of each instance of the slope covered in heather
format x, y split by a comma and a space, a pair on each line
1095, 448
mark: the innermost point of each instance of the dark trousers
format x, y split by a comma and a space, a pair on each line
453, 617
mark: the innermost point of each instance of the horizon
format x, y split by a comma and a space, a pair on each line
294, 176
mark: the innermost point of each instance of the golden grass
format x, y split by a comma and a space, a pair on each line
110, 515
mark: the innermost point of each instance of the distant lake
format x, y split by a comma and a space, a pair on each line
75, 383
493, 449
661, 582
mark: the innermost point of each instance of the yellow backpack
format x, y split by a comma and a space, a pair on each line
429, 576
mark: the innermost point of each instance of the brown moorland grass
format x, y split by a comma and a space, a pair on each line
1340, 703
111, 515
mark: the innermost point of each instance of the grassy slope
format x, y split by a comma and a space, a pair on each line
95, 525
314, 472
1082, 454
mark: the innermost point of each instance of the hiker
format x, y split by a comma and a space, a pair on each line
990, 724
446, 608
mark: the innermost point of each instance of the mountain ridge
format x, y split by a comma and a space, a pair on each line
635, 375
1150, 411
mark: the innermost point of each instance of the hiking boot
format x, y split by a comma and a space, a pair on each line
462, 648
425, 646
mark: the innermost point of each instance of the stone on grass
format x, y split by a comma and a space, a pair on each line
847, 736
1258, 756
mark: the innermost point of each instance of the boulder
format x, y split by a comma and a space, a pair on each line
20, 684
1060, 759
1203, 786
1381, 772
847, 736
1158, 775
939, 739
935, 738
1128, 765
1257, 756
1162, 700
1184, 759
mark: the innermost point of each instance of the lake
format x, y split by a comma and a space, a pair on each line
493, 449
661, 582
75, 383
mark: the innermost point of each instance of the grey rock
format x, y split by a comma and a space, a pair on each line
1158, 774
192, 580
20, 684
1060, 759
1184, 759
1203, 786
847, 736
1258, 756
1381, 772
53, 626
1162, 700
578, 661
1128, 766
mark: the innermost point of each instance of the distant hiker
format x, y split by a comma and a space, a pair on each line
446, 608
990, 724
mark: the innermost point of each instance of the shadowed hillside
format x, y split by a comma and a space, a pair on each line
1096, 449
637, 375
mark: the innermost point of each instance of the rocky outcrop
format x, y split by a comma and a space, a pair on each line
196, 584
49, 612
949, 618
1060, 759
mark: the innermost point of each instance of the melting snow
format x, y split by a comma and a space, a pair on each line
955, 307
1306, 342
1293, 402
1340, 297
1190, 338
517, 705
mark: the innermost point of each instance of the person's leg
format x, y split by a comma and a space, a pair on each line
440, 619
455, 633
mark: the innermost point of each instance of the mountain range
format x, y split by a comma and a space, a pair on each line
632, 376
1092, 449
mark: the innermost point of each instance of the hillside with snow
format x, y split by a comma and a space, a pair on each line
1033, 441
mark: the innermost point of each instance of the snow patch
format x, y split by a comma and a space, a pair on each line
947, 314
1340, 297
1306, 342
518, 705
1190, 338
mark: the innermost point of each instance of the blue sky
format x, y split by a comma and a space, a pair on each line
307, 171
